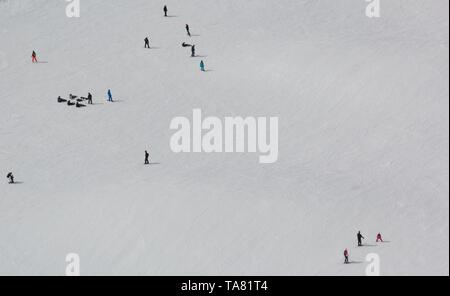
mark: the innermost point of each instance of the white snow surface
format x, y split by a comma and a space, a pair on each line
363, 105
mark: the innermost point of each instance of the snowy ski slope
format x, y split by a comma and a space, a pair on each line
364, 137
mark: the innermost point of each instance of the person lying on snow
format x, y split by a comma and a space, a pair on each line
61, 100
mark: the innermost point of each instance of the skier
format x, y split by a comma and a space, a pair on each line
147, 155
184, 44
34, 57
346, 255
89, 98
193, 51
147, 42
110, 98
202, 66
379, 238
188, 30
360, 238
165, 10
10, 177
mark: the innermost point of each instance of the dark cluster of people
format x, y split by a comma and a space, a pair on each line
78, 101
360, 239
75, 101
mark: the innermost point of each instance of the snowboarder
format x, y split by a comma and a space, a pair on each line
34, 57
184, 44
110, 98
360, 238
10, 176
147, 155
379, 238
188, 30
89, 98
193, 51
165, 10
147, 42
202, 66
346, 255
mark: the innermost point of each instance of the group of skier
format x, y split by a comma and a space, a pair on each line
75, 101
184, 44
360, 238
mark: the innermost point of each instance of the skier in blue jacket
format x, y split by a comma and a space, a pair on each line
110, 98
202, 66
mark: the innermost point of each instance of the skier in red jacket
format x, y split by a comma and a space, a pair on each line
34, 57
379, 238
346, 255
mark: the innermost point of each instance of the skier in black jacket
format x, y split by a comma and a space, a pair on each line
360, 238
147, 155
10, 176
188, 30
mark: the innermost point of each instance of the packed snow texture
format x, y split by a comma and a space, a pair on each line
364, 137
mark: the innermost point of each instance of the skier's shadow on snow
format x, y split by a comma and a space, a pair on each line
42, 62
16, 183
355, 262
368, 246
151, 164
195, 35
172, 15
